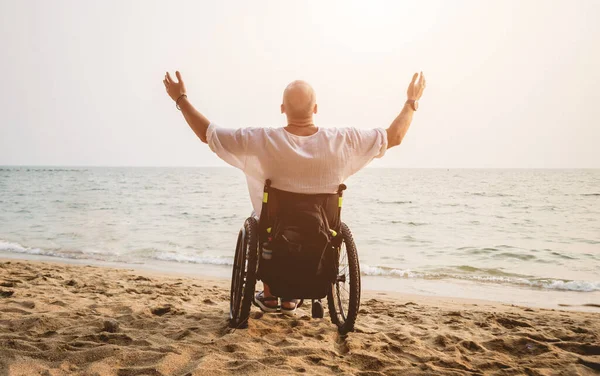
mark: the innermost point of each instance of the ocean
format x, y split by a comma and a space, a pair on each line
519, 236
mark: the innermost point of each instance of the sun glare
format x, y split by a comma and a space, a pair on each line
374, 27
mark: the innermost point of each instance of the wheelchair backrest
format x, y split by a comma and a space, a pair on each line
277, 202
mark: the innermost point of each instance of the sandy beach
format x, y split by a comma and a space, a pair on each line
60, 319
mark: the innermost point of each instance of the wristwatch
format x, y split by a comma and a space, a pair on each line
413, 103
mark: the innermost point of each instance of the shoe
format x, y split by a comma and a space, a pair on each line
260, 301
290, 311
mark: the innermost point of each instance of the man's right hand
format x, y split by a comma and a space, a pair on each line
415, 89
174, 89
198, 122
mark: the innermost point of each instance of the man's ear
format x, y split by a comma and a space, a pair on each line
282, 109
315, 109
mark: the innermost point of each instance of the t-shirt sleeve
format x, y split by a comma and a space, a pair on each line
365, 145
231, 145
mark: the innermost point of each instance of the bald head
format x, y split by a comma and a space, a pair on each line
299, 101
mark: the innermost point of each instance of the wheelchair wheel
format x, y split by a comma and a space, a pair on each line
243, 277
343, 299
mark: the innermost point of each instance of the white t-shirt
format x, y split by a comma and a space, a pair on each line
318, 163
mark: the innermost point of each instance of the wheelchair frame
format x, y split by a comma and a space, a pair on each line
343, 298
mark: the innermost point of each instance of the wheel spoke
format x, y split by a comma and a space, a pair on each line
341, 311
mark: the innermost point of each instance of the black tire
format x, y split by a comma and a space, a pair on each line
243, 277
237, 288
343, 300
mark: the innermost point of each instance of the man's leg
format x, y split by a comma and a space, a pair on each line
266, 301
267, 293
284, 304
267, 290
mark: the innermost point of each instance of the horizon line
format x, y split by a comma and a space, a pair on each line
369, 167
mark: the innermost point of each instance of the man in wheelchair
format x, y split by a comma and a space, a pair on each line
304, 167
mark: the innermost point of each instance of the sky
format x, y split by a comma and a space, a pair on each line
510, 84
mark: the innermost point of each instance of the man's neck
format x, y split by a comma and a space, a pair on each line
304, 127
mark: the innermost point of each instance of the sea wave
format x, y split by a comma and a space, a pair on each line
409, 223
40, 169
486, 194
18, 248
491, 276
463, 272
12, 247
191, 259
396, 202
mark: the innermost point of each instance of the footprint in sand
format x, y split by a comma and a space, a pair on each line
159, 311
6, 293
26, 304
579, 348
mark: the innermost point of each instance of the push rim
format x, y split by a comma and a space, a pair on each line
341, 299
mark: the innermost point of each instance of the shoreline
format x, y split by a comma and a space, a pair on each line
61, 318
398, 287
149, 270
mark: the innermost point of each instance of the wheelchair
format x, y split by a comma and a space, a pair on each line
340, 284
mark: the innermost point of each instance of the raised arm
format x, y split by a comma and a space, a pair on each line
176, 90
400, 125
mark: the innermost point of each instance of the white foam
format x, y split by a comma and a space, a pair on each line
550, 284
386, 272
211, 260
18, 248
69, 254
367, 270
586, 286
96, 254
